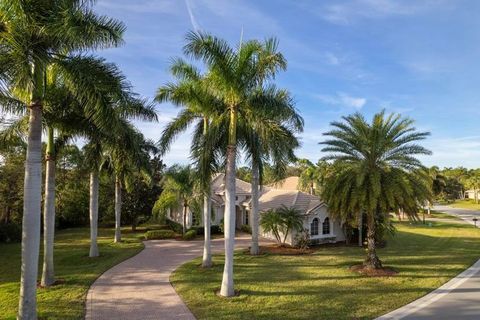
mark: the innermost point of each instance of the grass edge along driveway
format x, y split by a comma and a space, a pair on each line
321, 286
73, 267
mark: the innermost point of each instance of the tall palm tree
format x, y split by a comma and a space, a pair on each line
191, 93
234, 75
270, 138
35, 35
377, 171
179, 190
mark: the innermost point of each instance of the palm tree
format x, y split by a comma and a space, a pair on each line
376, 170
179, 191
191, 93
234, 77
129, 155
274, 143
35, 35
282, 221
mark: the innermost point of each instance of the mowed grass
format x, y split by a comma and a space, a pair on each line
321, 286
72, 266
465, 204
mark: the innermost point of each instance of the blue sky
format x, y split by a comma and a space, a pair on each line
418, 58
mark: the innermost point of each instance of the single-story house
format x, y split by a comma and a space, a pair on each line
322, 228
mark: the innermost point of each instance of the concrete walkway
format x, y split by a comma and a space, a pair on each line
139, 288
458, 299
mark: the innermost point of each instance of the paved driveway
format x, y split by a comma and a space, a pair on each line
458, 299
139, 288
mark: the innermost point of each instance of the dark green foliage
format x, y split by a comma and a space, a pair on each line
190, 235
159, 234
201, 231
10, 232
246, 228
175, 226
139, 201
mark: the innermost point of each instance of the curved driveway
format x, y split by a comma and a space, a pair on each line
139, 288
458, 299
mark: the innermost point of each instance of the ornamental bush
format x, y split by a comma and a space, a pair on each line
159, 234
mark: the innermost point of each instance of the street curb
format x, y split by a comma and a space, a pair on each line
436, 294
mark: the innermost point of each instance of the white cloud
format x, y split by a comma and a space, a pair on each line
342, 99
453, 152
193, 20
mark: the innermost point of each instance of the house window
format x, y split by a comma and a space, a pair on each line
246, 217
326, 226
314, 227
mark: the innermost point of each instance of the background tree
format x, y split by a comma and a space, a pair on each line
179, 191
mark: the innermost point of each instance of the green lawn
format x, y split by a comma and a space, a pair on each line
440, 215
72, 264
465, 204
320, 286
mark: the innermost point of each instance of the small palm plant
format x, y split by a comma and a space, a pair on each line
281, 222
376, 171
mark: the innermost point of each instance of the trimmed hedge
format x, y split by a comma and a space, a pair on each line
190, 235
175, 226
159, 234
246, 228
201, 230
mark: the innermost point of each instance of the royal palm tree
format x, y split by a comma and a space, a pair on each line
234, 77
191, 93
35, 35
271, 138
377, 171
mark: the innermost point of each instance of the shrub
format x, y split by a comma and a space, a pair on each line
159, 234
216, 230
302, 239
190, 235
200, 230
175, 226
10, 232
246, 228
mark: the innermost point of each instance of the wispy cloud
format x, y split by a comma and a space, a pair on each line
342, 99
451, 152
193, 20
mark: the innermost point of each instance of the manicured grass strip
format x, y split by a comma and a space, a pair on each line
72, 265
465, 204
321, 286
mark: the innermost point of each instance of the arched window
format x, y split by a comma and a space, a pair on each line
314, 227
326, 226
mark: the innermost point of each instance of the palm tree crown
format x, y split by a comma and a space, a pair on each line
377, 169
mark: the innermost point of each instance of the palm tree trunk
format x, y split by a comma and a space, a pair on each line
360, 230
118, 209
48, 275
32, 197
227, 289
207, 208
254, 249
207, 255
184, 216
93, 213
372, 261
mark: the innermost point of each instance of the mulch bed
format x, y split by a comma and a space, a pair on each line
283, 250
384, 272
